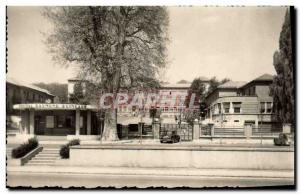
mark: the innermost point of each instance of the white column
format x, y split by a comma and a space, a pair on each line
265, 107
196, 130
88, 123
31, 122
222, 108
231, 108
24, 129
271, 107
77, 122
248, 130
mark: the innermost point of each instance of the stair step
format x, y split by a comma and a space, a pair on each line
43, 158
41, 161
39, 164
48, 155
34, 164
50, 151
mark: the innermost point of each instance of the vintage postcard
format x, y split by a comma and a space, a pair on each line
150, 97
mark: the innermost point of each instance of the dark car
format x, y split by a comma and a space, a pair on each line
169, 137
282, 140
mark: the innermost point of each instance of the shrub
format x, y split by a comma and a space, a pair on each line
33, 142
25, 148
74, 142
65, 149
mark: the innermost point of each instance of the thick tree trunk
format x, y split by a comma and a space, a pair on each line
110, 126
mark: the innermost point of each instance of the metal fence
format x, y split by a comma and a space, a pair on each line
267, 130
262, 130
205, 130
185, 131
229, 131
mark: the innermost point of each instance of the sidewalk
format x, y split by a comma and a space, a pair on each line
245, 173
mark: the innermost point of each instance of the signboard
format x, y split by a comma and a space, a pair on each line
50, 106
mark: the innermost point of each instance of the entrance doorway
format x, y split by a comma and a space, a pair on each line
39, 125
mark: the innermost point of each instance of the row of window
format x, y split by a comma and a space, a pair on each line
266, 107
28, 96
162, 109
225, 121
62, 121
217, 108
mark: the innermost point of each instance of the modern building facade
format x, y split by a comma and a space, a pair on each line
234, 104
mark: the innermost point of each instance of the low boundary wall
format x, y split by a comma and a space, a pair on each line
210, 157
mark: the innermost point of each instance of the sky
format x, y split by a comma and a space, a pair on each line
232, 42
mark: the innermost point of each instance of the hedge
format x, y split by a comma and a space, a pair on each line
25, 148
65, 149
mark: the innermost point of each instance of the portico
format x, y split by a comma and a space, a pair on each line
58, 119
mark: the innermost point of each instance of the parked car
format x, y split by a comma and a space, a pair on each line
169, 137
282, 140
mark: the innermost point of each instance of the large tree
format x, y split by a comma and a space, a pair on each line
119, 46
198, 87
282, 89
214, 83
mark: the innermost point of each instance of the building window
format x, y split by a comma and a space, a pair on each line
60, 121
219, 108
269, 107
69, 121
237, 107
64, 121
226, 106
262, 107
27, 96
253, 91
236, 121
49, 121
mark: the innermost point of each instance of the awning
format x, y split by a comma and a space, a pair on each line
45, 106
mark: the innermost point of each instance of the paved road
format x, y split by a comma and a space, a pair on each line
94, 180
